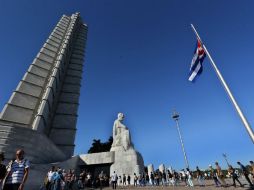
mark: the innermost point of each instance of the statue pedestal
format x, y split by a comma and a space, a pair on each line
127, 162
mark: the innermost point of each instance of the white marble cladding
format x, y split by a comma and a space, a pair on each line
127, 162
150, 169
42, 99
98, 158
162, 168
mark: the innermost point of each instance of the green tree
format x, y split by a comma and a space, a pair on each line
98, 146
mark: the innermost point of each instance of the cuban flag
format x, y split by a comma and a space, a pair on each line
196, 63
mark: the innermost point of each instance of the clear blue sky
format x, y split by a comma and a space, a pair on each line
137, 61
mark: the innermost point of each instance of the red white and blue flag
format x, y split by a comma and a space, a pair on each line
196, 63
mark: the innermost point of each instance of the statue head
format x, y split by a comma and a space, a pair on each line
120, 116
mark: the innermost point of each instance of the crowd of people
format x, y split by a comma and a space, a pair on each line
13, 176
186, 177
58, 179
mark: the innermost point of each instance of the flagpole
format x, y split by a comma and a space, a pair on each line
244, 120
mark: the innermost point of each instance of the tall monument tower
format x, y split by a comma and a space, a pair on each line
42, 111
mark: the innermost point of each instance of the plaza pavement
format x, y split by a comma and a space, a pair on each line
209, 186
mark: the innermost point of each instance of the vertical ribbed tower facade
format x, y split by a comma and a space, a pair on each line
46, 100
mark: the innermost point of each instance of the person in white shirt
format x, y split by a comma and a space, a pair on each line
50, 175
190, 183
17, 172
114, 180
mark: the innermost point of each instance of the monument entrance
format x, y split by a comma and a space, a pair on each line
122, 157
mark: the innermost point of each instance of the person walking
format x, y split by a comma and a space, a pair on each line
156, 178
175, 178
164, 179
69, 179
232, 173
124, 180
252, 170
2, 169
63, 181
188, 173
143, 179
17, 172
214, 176
114, 180
220, 175
135, 180
245, 173
129, 179
140, 182
200, 177
101, 178
119, 181
49, 181
152, 178
57, 178
89, 179
170, 178
81, 178
147, 179
184, 177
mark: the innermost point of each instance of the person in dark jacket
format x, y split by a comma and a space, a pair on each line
129, 179
245, 173
231, 171
2, 168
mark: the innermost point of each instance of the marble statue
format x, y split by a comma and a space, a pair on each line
126, 159
121, 134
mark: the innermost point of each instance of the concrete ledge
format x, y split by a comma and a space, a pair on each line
69, 97
41, 63
67, 108
50, 47
28, 88
98, 158
23, 100
48, 51
16, 114
53, 43
34, 79
38, 70
70, 88
76, 80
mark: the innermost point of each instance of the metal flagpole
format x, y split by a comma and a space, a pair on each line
244, 120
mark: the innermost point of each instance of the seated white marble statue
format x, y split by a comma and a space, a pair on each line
121, 134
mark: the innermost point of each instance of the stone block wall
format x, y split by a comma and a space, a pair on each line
25, 100
47, 98
38, 148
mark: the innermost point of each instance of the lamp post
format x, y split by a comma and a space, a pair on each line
175, 116
225, 156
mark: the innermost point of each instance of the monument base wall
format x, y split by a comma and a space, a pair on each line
39, 149
127, 162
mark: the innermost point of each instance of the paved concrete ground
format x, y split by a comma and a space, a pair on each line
209, 186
